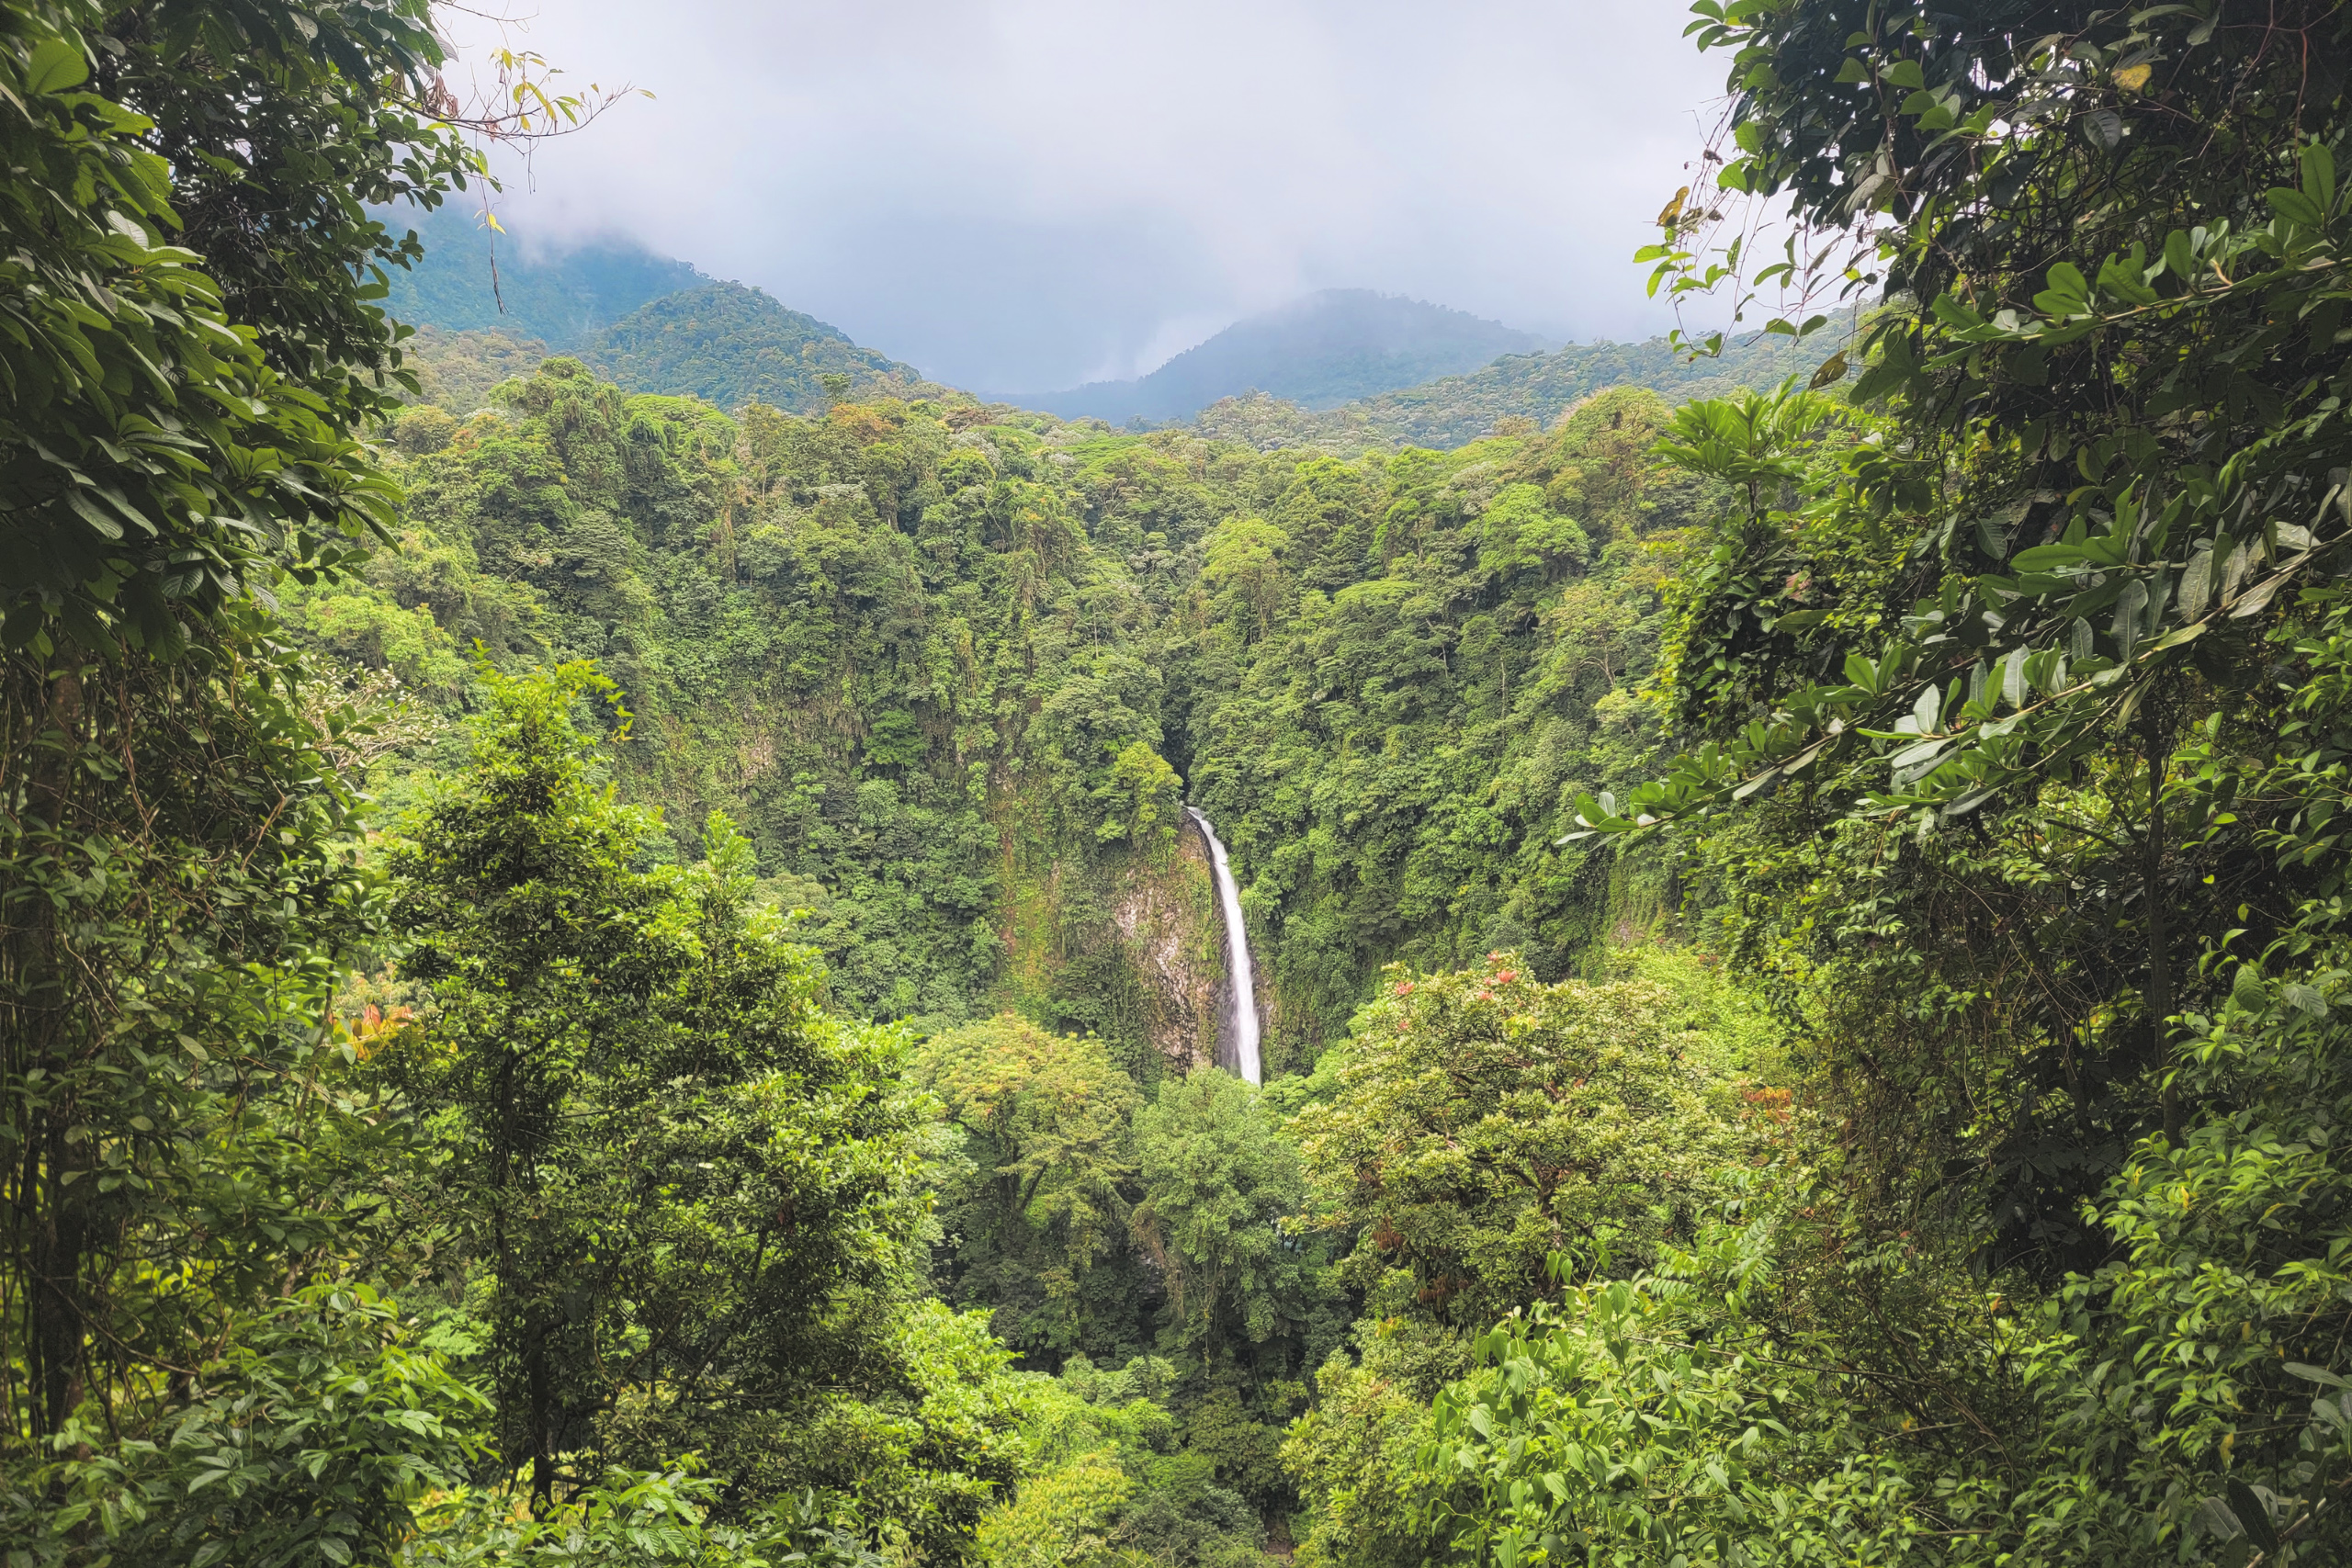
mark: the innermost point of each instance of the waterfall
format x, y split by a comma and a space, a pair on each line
1237, 953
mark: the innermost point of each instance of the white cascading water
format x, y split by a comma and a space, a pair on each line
1237, 955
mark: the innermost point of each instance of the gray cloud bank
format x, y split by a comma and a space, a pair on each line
1026, 194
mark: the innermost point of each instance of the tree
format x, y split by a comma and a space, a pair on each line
316, 1438
2044, 870
2110, 468
1140, 800
142, 514
180, 429
1106, 1492
1251, 1304
1486, 1121
178, 888
1219, 1179
545, 954
1046, 1124
691, 1192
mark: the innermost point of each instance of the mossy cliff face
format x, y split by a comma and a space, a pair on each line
1175, 942
1130, 947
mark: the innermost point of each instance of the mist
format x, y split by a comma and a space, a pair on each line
1023, 194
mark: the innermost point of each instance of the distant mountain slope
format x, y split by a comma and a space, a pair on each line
1542, 387
457, 371
734, 344
1318, 352
1456, 409
561, 300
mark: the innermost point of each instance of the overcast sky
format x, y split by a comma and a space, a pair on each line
1020, 194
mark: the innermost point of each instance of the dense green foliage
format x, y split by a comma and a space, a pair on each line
597, 976
1554, 1118
1107, 1228
945, 670
942, 667
223, 1148
178, 871
1411, 682
2023, 686
456, 370
691, 1194
140, 510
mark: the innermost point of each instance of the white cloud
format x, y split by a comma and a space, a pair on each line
1017, 193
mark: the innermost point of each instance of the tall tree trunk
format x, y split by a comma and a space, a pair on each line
54, 1302
2159, 989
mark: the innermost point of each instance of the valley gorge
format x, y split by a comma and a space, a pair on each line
954, 675
699, 951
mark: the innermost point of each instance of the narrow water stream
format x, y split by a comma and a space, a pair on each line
1242, 1025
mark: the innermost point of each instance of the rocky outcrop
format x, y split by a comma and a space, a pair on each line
1167, 919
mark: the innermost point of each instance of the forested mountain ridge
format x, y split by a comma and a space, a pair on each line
1542, 387
475, 277
731, 346
1326, 349
653, 323
1345, 369
457, 371
1538, 387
